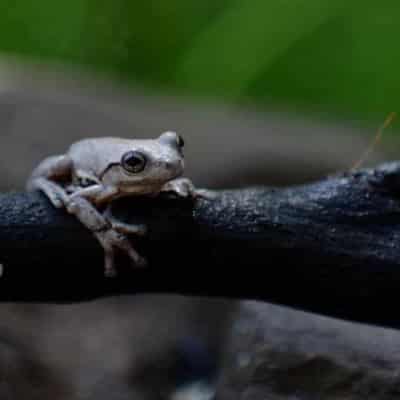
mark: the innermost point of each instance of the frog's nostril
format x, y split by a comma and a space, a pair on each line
174, 165
168, 165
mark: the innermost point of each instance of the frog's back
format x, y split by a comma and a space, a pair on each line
96, 154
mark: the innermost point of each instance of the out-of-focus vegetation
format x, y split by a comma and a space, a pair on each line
333, 56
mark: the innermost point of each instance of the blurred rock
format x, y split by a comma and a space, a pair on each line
132, 344
24, 376
277, 353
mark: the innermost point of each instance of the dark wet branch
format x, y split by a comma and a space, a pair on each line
332, 247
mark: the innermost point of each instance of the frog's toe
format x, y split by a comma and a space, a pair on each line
138, 261
57, 202
128, 229
110, 272
141, 262
181, 187
141, 230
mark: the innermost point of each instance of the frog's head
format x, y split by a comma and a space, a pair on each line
146, 165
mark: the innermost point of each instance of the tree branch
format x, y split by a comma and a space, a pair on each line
332, 247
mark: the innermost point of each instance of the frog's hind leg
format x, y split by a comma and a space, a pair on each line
46, 175
54, 192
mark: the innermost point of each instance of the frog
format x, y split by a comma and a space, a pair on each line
96, 171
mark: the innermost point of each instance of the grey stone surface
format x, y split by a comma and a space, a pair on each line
276, 353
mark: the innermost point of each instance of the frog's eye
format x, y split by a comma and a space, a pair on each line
133, 161
181, 142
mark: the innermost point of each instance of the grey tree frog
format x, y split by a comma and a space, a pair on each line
94, 172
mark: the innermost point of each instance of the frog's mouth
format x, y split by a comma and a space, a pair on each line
109, 166
157, 174
147, 184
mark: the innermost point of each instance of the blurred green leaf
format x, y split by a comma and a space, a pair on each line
247, 39
334, 56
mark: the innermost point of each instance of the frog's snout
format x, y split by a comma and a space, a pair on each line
176, 166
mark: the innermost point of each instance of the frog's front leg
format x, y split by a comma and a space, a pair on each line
110, 232
81, 203
98, 194
106, 233
46, 175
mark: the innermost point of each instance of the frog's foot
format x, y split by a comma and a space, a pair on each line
183, 187
110, 240
111, 236
54, 192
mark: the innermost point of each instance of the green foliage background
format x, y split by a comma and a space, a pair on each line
338, 56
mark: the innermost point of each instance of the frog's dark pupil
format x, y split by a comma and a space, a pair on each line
181, 142
133, 161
